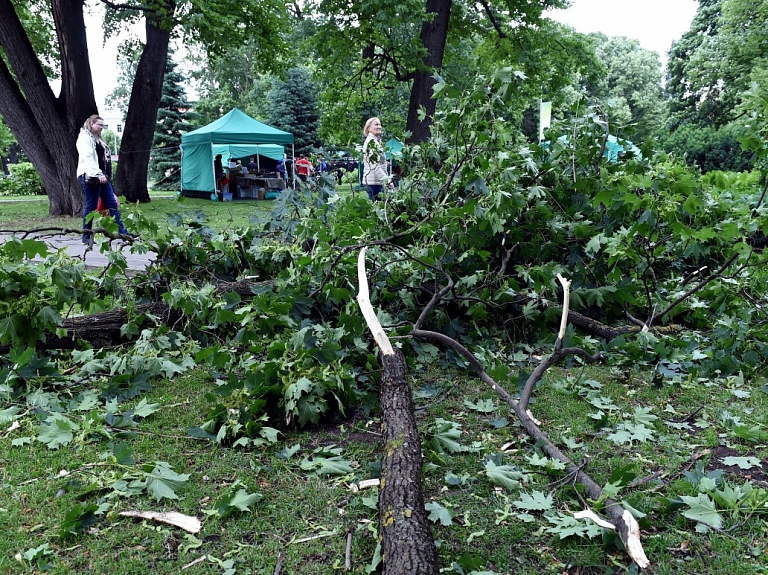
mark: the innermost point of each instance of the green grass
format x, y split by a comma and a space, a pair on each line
31, 212
297, 505
291, 522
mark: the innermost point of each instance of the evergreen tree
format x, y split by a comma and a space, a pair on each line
173, 119
293, 108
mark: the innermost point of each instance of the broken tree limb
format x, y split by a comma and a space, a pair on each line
185, 522
104, 329
625, 524
407, 545
364, 301
593, 490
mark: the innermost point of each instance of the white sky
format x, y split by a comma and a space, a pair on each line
655, 23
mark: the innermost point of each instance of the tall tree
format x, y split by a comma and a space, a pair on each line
28, 104
366, 46
173, 118
131, 178
293, 108
30, 108
632, 85
694, 84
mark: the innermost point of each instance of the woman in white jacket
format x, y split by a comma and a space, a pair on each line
94, 172
374, 159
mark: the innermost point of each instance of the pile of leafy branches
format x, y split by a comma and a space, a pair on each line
645, 241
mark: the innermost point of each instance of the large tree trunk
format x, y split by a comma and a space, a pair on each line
407, 545
131, 180
433, 37
46, 128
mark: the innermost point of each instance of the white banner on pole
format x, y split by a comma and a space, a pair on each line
545, 117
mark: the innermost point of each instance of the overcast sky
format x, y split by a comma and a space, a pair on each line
655, 23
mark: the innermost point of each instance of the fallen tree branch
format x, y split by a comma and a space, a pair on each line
622, 520
104, 329
407, 545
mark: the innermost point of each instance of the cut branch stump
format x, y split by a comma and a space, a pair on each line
407, 544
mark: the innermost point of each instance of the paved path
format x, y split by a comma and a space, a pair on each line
92, 257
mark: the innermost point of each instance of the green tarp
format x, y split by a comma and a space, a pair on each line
393, 148
234, 135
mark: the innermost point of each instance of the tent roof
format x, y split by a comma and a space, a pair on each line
236, 127
393, 147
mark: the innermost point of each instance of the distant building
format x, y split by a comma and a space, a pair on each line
114, 120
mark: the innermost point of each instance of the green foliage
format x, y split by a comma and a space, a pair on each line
235, 500
173, 118
292, 107
708, 147
23, 180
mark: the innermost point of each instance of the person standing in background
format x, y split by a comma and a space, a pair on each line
374, 159
304, 168
94, 172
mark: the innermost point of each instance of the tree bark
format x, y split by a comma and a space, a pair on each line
594, 327
131, 177
45, 127
433, 36
407, 544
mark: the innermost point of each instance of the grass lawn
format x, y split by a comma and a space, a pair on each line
303, 519
32, 212
689, 456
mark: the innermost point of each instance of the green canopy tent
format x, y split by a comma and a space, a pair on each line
393, 148
235, 135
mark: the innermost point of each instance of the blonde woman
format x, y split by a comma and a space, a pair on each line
374, 159
94, 171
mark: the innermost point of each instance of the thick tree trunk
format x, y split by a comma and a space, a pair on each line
44, 127
407, 545
433, 37
131, 180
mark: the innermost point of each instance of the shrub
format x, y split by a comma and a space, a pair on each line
22, 181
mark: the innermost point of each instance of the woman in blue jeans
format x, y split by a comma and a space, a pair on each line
94, 172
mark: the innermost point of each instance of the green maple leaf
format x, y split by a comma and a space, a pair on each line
741, 462
702, 509
640, 432
439, 513
620, 436
444, 436
233, 502
9, 414
56, 431
335, 465
483, 406
144, 409
537, 501
565, 526
162, 481
504, 475
171, 368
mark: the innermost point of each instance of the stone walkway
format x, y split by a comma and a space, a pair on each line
92, 257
